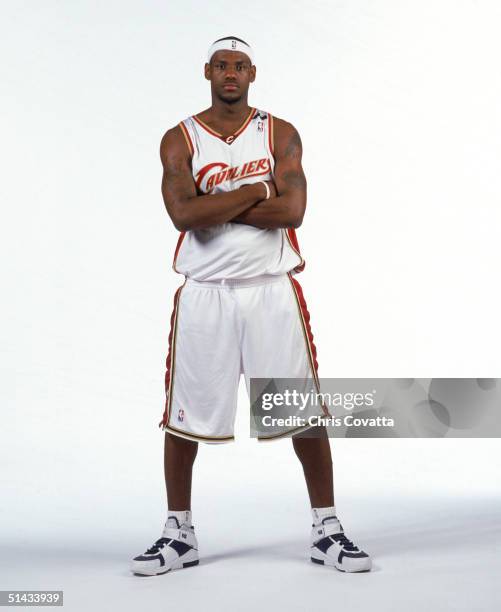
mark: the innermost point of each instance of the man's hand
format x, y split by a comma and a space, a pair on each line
271, 185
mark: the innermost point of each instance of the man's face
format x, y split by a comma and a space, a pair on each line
230, 73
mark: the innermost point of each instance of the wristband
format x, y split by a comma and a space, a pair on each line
268, 192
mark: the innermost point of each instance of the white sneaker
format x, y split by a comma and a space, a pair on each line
330, 546
176, 549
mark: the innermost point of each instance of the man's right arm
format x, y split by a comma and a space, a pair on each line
188, 210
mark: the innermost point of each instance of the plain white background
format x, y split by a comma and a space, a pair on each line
397, 103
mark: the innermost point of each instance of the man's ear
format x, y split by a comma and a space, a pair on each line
207, 71
252, 74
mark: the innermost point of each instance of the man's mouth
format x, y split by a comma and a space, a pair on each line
230, 86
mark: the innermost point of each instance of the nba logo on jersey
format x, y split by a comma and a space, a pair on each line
260, 126
180, 415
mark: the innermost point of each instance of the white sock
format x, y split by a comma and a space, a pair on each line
178, 519
321, 516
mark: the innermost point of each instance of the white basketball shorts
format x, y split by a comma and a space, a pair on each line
258, 327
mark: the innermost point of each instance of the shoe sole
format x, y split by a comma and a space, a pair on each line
346, 571
176, 566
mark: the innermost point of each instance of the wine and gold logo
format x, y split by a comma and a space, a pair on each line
216, 173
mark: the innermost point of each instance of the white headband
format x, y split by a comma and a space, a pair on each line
230, 44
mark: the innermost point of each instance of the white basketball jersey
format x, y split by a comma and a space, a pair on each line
233, 250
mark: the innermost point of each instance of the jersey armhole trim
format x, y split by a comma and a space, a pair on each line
187, 138
271, 137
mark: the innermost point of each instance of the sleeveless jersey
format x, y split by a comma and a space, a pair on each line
233, 250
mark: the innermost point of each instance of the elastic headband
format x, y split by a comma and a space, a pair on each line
230, 44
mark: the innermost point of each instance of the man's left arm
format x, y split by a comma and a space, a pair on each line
286, 208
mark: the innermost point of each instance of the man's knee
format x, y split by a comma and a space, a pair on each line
180, 446
313, 451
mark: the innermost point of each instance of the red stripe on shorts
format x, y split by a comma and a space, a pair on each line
168, 362
306, 317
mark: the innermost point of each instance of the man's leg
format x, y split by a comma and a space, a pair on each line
313, 450
329, 544
177, 547
179, 457
278, 341
203, 348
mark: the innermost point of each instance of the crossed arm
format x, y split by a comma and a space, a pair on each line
287, 208
188, 210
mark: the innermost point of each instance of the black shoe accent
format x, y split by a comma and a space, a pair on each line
159, 544
180, 547
358, 555
177, 522
190, 563
151, 558
347, 545
319, 561
324, 544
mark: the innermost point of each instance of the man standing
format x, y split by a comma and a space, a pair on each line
234, 187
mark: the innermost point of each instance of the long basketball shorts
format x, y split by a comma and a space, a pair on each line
258, 327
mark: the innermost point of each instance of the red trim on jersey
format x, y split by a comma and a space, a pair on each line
245, 124
169, 360
271, 139
291, 233
178, 246
234, 136
187, 137
206, 127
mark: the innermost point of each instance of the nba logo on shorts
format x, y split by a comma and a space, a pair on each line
180, 415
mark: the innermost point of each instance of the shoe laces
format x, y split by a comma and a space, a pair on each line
157, 546
345, 543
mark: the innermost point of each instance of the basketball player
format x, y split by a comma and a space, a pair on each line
234, 187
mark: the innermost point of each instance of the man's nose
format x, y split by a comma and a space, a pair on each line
230, 73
